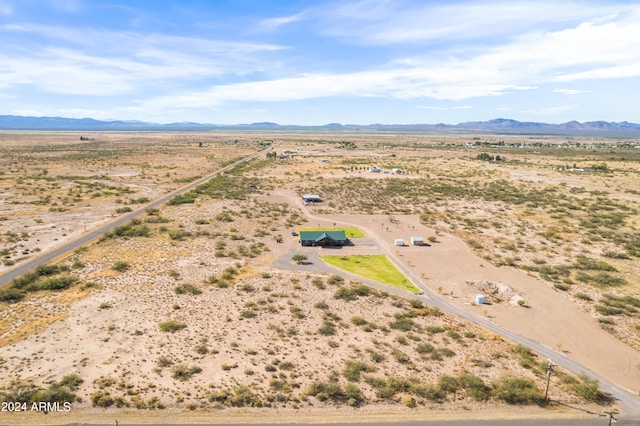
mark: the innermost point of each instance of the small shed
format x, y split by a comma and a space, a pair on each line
398, 242
479, 299
417, 240
311, 198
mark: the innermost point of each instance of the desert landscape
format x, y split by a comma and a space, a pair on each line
208, 307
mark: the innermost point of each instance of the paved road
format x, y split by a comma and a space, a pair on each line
630, 403
72, 245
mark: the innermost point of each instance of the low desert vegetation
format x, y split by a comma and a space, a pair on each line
190, 291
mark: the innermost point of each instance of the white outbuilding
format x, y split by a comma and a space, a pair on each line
398, 242
417, 240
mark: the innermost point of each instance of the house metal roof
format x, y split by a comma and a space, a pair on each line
338, 235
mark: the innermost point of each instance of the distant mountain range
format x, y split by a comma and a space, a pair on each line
499, 126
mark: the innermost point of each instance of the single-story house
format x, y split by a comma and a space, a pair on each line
323, 238
311, 198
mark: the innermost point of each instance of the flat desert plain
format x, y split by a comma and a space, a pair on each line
198, 310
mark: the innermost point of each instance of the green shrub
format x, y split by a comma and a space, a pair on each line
425, 348
183, 372
55, 283
326, 391
353, 369
335, 280
19, 391
187, 288
297, 312
101, 399
132, 229
248, 313
474, 386
72, 381
202, 349
401, 357
609, 310
583, 296
430, 392
328, 328
24, 280
353, 395
171, 326
187, 198
56, 392
588, 388
516, 390
448, 384
120, 266
434, 329
321, 305
178, 234
358, 321
601, 279
416, 304
163, 362
286, 366
402, 323
376, 356
345, 293
11, 295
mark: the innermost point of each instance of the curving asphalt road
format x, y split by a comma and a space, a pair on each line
630, 403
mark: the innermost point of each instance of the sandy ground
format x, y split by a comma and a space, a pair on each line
449, 265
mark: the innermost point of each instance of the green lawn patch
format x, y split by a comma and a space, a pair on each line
376, 267
350, 232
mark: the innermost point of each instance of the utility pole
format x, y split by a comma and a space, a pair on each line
609, 415
549, 370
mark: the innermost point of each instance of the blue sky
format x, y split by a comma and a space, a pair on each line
317, 62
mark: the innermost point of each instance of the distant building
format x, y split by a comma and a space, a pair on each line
398, 242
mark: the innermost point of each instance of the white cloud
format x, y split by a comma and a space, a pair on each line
436, 108
274, 23
571, 91
102, 63
410, 50
621, 71
384, 22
